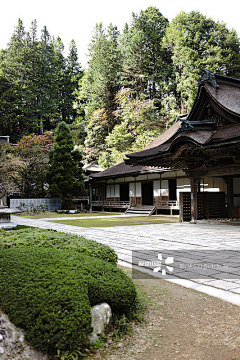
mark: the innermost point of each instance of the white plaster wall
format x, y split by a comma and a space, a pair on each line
108, 191
142, 177
183, 185
132, 189
138, 189
135, 189
168, 174
214, 184
117, 191
113, 191
153, 176
130, 178
164, 188
119, 180
156, 188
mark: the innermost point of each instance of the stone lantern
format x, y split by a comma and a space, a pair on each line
5, 217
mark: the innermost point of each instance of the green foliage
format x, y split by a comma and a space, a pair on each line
9, 165
33, 150
100, 343
37, 82
145, 65
195, 42
10, 102
65, 174
46, 297
58, 240
157, 60
109, 284
102, 76
48, 292
23, 167
139, 125
122, 327
101, 84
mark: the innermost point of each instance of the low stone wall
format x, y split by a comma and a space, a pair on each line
36, 204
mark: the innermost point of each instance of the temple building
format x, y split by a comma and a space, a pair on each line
193, 168
144, 189
205, 146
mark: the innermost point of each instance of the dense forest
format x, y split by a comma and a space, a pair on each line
136, 84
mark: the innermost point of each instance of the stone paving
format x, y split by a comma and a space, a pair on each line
194, 241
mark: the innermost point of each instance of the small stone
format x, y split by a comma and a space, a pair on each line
101, 321
1, 337
1, 350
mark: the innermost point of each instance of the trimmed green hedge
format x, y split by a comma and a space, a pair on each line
49, 292
52, 238
45, 298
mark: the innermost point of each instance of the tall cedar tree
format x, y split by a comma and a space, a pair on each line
37, 83
146, 65
198, 42
65, 175
102, 83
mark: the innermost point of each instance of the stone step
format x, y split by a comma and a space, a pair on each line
141, 210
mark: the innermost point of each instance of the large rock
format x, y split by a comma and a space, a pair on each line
101, 321
12, 343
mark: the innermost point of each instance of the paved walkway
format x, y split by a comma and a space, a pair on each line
194, 246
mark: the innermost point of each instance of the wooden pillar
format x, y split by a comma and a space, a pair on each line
90, 197
181, 207
194, 208
230, 196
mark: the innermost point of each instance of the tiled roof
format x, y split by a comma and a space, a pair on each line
124, 169
165, 136
226, 97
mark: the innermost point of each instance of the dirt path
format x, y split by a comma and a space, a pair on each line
180, 324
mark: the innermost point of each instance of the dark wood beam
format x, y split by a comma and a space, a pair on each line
194, 207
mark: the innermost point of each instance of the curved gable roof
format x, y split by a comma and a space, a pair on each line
216, 91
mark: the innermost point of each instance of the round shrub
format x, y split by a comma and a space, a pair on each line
48, 300
48, 293
107, 283
52, 238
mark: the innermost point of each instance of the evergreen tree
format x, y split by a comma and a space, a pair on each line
65, 175
146, 65
198, 42
45, 81
10, 105
16, 69
73, 76
102, 79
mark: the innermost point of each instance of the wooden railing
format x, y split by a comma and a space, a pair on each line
116, 204
168, 203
